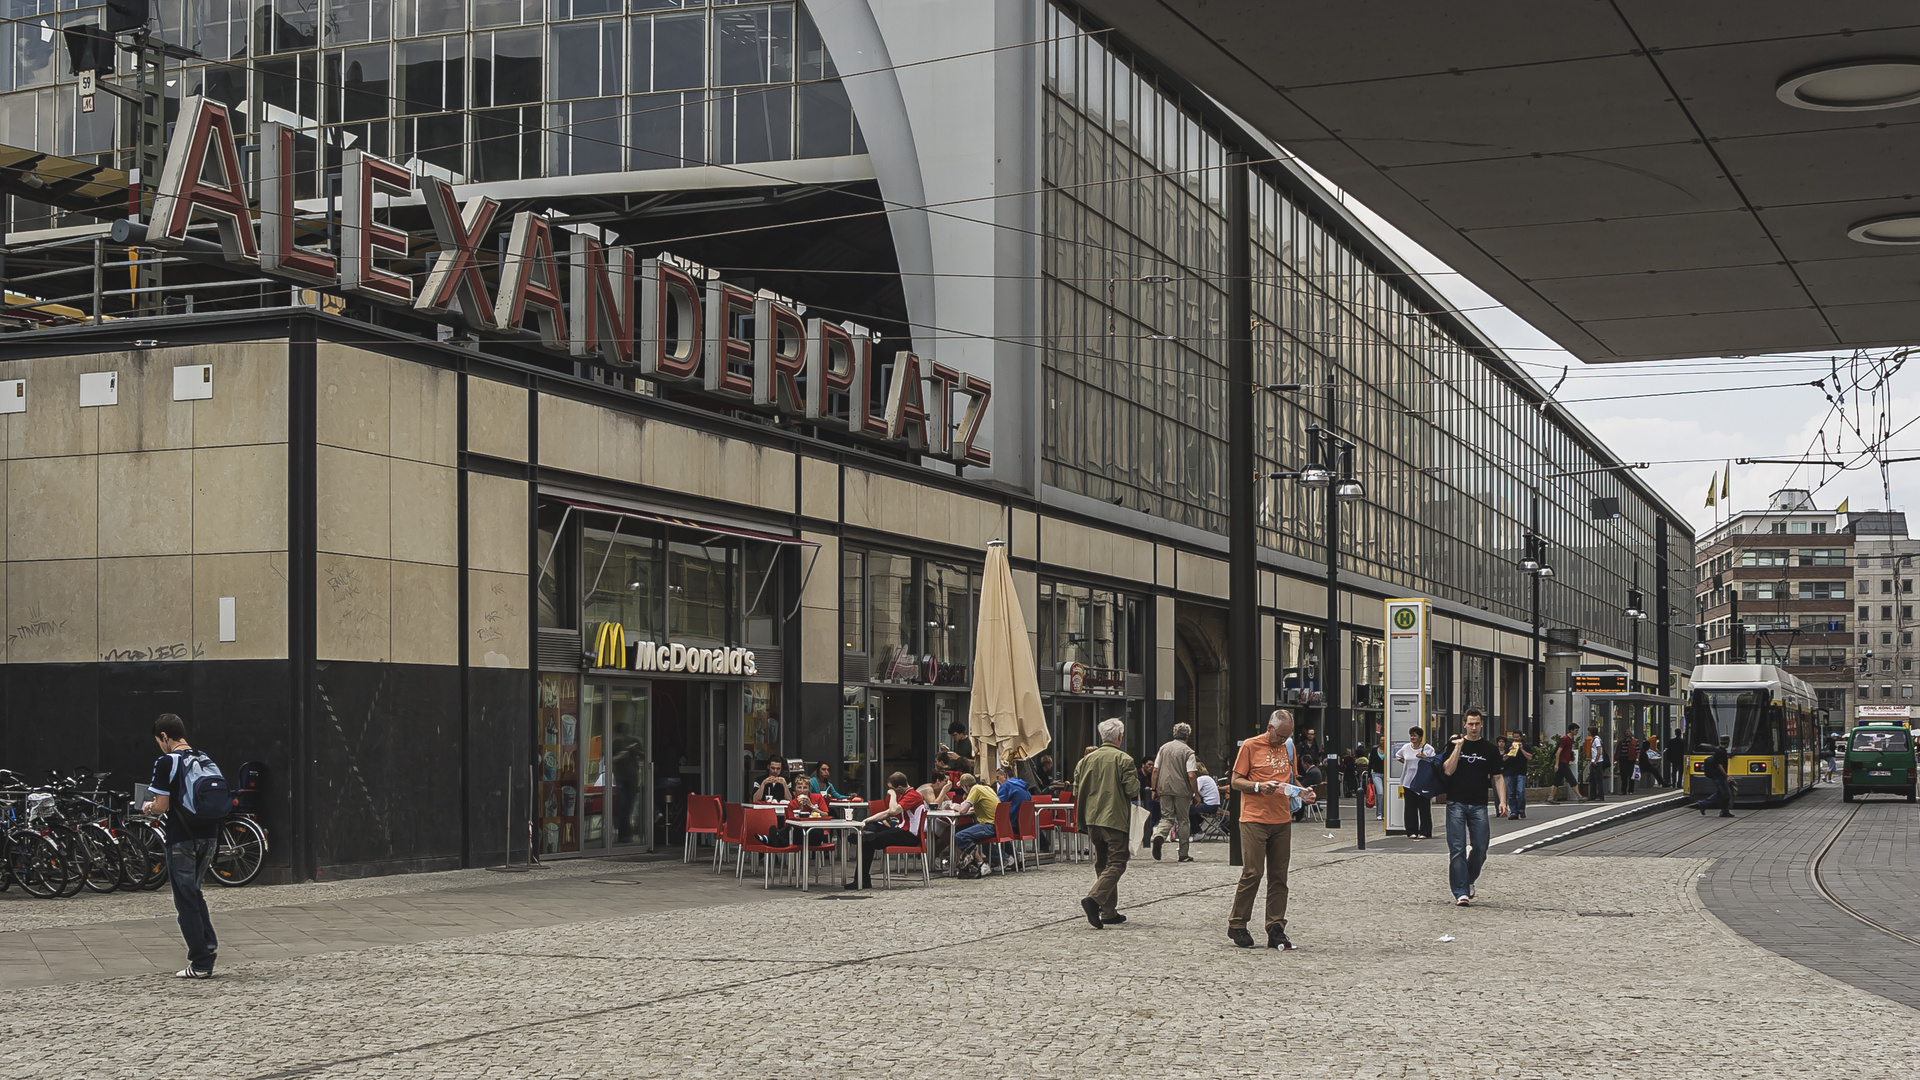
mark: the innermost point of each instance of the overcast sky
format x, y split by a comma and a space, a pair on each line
1719, 409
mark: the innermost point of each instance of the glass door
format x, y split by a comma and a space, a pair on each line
630, 728
591, 798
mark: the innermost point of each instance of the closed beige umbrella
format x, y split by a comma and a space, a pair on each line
1005, 713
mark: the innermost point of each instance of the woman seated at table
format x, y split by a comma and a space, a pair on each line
773, 787
821, 783
896, 826
1206, 800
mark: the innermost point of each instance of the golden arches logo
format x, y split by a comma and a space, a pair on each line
610, 646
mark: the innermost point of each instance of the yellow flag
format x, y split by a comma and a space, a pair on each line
1842, 508
1710, 486
1726, 483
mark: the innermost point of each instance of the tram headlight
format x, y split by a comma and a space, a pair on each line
1756, 766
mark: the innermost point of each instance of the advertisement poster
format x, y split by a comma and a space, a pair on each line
558, 763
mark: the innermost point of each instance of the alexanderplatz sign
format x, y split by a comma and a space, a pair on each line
590, 301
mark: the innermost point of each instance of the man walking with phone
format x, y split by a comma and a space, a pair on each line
190, 842
1470, 766
1263, 775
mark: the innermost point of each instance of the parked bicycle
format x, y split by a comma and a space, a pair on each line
66, 835
28, 855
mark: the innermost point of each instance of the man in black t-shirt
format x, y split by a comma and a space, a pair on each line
1715, 769
190, 845
1470, 767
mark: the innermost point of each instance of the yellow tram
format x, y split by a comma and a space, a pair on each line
1772, 720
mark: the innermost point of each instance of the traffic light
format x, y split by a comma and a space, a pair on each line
88, 49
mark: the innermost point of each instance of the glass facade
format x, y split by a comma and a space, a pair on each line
471, 90
1454, 448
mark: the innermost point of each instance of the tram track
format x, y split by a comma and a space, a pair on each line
1608, 836
1820, 885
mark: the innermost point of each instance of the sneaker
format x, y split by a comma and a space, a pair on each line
1186, 858
1471, 894
1112, 919
1277, 939
191, 972
1092, 907
1461, 901
1156, 848
1239, 936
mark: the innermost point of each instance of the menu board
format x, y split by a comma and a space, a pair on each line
557, 761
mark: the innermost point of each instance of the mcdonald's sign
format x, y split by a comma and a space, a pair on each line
610, 650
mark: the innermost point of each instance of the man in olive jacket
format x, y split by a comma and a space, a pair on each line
1104, 786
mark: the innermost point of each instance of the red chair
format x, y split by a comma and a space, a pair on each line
703, 819
1068, 822
729, 834
1004, 836
1026, 826
876, 806
887, 854
758, 822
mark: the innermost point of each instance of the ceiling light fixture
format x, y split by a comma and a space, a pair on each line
1853, 86
1895, 229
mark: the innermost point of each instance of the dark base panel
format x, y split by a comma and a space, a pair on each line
500, 750
99, 717
386, 766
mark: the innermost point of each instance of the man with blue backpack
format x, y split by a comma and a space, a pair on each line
192, 795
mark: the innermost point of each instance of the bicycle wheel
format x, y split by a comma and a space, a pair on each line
36, 863
151, 841
103, 858
241, 852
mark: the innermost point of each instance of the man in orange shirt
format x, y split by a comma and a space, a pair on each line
1263, 775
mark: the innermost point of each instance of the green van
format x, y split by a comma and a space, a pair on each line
1879, 759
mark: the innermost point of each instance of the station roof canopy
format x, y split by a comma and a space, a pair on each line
1639, 179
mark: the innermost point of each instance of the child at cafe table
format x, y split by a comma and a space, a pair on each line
805, 807
896, 826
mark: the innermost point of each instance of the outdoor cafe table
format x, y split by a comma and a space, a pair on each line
849, 808
952, 817
807, 825
1071, 810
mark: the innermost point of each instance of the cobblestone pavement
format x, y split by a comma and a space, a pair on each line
1565, 966
1759, 882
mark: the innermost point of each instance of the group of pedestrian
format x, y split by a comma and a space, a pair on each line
1264, 775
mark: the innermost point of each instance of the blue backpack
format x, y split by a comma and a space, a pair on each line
205, 796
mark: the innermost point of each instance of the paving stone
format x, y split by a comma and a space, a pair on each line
1000, 977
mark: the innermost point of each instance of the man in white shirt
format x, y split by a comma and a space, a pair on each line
1206, 798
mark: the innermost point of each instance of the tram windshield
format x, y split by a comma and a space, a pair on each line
1747, 716
1880, 741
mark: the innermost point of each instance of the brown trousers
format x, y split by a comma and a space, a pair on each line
1264, 849
1109, 861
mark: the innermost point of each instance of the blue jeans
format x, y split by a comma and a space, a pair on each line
187, 863
971, 835
1516, 794
1466, 824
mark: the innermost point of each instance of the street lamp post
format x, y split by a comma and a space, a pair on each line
1533, 563
1330, 468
